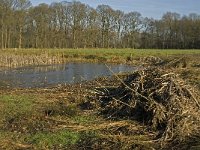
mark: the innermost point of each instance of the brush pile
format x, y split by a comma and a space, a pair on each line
178, 63
151, 60
160, 100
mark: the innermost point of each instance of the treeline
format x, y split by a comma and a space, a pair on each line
77, 25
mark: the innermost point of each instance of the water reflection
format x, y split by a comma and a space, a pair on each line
42, 76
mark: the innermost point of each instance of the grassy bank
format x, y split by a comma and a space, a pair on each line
188, 60
37, 119
103, 52
24, 57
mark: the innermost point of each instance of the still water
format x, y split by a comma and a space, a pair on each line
43, 76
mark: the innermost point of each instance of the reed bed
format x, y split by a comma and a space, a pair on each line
24, 57
13, 61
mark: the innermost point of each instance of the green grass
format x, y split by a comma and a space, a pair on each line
31, 128
59, 139
102, 52
39, 133
48, 140
63, 139
84, 119
13, 106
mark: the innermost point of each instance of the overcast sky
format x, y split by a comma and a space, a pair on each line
148, 8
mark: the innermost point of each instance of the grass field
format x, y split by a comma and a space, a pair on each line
107, 53
25, 57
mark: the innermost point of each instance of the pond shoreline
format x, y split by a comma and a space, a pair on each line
70, 108
48, 75
12, 58
47, 117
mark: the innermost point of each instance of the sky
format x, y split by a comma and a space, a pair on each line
148, 8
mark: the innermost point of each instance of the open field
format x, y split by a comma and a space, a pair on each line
24, 57
107, 53
124, 52
67, 117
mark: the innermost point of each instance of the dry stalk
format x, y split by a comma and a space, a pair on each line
160, 99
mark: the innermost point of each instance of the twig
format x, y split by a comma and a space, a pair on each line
126, 84
196, 101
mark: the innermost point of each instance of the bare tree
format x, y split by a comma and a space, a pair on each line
77, 25
20, 9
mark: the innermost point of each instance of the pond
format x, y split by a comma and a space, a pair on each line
43, 76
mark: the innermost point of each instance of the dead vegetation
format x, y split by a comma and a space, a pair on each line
151, 60
160, 100
16, 60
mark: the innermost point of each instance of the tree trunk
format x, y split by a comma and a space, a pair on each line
2, 47
8, 38
2, 41
74, 38
20, 37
